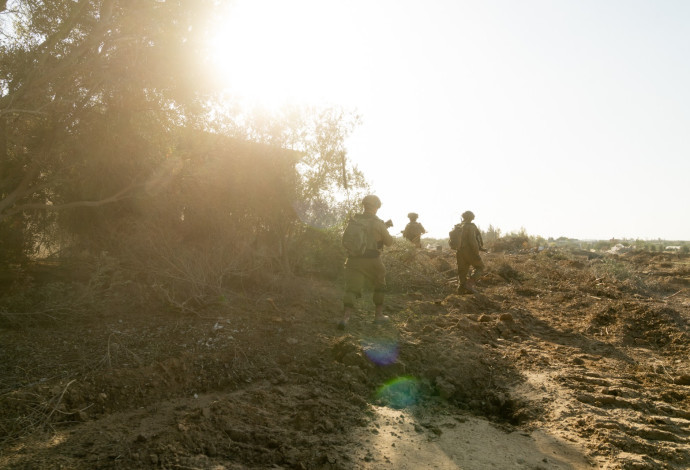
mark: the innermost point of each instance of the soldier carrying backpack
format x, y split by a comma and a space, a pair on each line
414, 230
363, 240
467, 240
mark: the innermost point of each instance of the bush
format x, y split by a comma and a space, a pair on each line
319, 252
511, 242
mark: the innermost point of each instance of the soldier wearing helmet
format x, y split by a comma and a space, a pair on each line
414, 230
367, 268
470, 244
372, 202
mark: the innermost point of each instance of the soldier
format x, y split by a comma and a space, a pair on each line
365, 265
468, 247
414, 230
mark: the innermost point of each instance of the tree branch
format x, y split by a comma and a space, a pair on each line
21, 111
39, 75
122, 194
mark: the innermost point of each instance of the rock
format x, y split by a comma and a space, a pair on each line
506, 317
328, 425
445, 388
682, 380
237, 435
504, 330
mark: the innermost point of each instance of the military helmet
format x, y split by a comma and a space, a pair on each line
371, 201
468, 215
412, 215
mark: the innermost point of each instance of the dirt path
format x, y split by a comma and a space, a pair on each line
395, 439
563, 362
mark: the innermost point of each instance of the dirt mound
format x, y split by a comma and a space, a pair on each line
586, 353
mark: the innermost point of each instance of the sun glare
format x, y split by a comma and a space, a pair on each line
273, 52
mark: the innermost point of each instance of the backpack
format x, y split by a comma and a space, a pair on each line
413, 231
455, 237
356, 236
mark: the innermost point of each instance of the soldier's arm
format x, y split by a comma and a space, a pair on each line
386, 237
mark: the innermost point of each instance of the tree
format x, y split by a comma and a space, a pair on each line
491, 235
90, 94
96, 98
330, 186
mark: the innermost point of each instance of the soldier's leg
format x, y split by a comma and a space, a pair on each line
479, 267
478, 270
354, 281
378, 278
463, 269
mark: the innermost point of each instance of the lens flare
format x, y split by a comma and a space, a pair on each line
400, 392
382, 352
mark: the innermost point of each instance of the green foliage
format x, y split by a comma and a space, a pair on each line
319, 253
557, 254
538, 241
90, 93
511, 242
107, 125
603, 245
491, 235
330, 186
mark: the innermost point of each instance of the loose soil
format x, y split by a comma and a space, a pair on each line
563, 360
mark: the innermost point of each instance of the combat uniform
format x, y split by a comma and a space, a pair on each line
368, 267
468, 253
413, 232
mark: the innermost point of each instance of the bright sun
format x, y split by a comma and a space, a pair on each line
273, 52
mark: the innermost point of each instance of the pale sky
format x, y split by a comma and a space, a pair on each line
565, 118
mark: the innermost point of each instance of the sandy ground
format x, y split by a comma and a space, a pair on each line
395, 439
566, 360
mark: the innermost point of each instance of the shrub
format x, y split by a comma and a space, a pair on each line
511, 242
